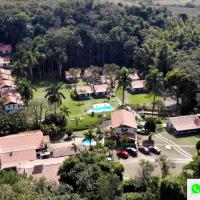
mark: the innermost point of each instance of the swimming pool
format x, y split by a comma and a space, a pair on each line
87, 142
101, 107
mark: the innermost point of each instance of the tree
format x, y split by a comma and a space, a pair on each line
61, 58
87, 172
154, 83
123, 81
177, 80
144, 174
65, 110
193, 168
90, 136
109, 187
110, 144
13, 122
198, 147
171, 188
54, 96
165, 165
160, 104
150, 126
19, 69
25, 88
75, 148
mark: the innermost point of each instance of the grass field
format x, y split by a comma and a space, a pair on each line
137, 99
77, 109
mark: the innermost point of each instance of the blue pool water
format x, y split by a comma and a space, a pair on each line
102, 108
87, 142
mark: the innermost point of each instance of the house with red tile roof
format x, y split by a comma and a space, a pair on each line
5, 49
4, 62
5, 77
73, 76
11, 100
183, 124
138, 86
5, 71
6, 85
83, 92
134, 76
100, 90
22, 147
123, 122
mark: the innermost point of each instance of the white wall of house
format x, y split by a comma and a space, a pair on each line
123, 130
138, 89
13, 106
4, 64
7, 89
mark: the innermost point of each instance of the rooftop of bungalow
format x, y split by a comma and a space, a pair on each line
121, 118
5, 47
5, 71
83, 89
185, 123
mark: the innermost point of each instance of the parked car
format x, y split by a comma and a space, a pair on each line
142, 131
154, 149
122, 153
144, 150
132, 151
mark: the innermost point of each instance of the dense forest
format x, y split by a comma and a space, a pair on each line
51, 37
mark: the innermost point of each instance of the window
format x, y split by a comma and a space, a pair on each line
124, 129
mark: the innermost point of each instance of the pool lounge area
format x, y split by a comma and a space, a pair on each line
101, 107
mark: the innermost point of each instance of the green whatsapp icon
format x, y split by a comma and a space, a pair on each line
195, 188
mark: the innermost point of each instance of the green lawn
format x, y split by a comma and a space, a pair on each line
136, 99
78, 109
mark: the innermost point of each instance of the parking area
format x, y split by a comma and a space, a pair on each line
178, 155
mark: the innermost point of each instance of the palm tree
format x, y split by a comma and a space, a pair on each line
19, 69
54, 96
198, 147
123, 81
31, 59
90, 136
61, 58
75, 148
154, 83
25, 88
65, 110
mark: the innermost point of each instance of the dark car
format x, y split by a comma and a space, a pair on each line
155, 150
122, 153
132, 151
144, 150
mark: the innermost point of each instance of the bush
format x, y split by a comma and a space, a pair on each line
150, 125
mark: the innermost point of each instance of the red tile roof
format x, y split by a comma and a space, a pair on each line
4, 60
48, 168
185, 123
134, 76
100, 88
83, 89
22, 141
88, 72
76, 74
12, 158
5, 71
11, 97
123, 118
139, 84
7, 83
5, 77
5, 47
